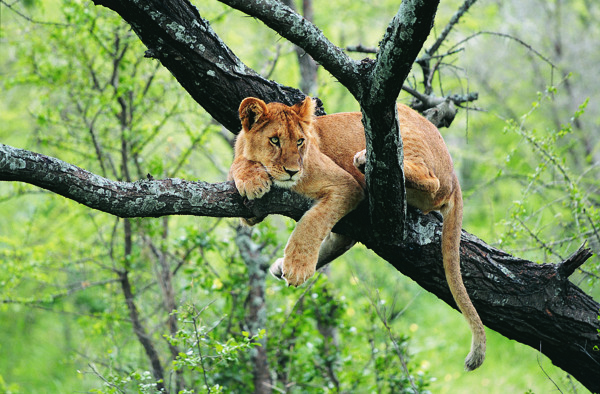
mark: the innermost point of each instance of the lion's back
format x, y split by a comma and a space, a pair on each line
341, 136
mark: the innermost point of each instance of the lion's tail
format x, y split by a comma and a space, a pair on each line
451, 231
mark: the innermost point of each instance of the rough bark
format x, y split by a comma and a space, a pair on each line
186, 45
308, 66
534, 304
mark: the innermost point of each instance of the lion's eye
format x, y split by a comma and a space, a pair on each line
300, 142
274, 141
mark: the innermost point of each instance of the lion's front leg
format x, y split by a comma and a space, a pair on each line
333, 246
301, 253
251, 178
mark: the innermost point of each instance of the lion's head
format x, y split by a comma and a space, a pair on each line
278, 136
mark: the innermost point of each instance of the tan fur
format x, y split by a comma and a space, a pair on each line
325, 167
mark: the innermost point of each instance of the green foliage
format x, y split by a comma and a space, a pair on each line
556, 208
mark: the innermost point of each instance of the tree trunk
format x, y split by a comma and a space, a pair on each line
257, 264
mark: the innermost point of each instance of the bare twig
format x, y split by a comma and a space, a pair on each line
361, 48
29, 19
109, 383
510, 37
384, 320
453, 21
198, 341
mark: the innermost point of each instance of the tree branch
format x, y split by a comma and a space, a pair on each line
187, 46
384, 170
144, 198
534, 304
398, 50
307, 36
453, 21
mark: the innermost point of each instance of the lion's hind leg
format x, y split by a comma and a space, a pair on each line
332, 247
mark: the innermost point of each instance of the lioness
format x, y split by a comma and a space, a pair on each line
319, 157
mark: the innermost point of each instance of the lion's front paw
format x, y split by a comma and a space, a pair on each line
293, 274
360, 159
254, 187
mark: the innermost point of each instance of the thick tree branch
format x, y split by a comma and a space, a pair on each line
384, 169
186, 45
532, 303
144, 198
398, 50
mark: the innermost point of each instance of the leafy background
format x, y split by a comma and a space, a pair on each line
75, 85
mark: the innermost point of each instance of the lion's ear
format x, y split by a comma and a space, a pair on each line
251, 110
305, 109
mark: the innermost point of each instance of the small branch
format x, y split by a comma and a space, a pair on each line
504, 35
141, 333
29, 19
438, 110
574, 261
361, 48
427, 101
380, 312
106, 381
453, 21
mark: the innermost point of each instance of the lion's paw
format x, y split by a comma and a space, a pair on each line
360, 159
254, 187
294, 274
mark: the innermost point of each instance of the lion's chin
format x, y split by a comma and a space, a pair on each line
286, 184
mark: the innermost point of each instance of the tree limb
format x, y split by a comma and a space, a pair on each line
187, 46
307, 36
384, 170
144, 198
453, 21
534, 304
398, 50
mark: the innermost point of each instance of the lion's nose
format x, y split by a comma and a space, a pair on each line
291, 172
